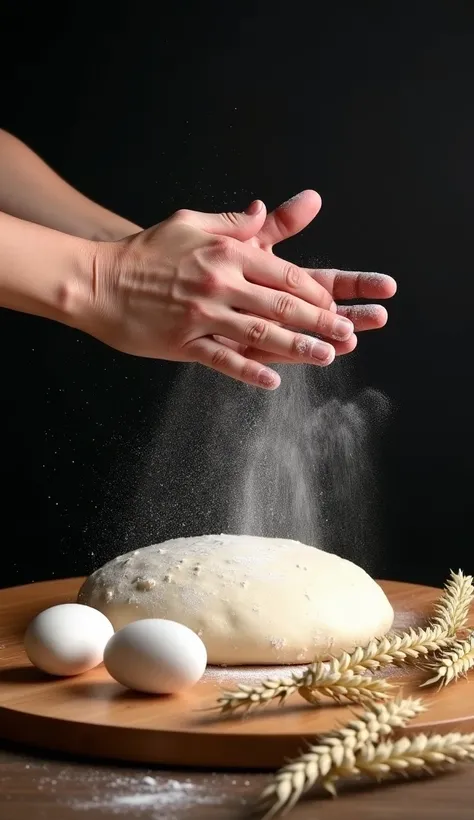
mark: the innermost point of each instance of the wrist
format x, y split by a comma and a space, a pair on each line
76, 289
85, 295
42, 271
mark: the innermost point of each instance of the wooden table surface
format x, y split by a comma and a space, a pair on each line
35, 786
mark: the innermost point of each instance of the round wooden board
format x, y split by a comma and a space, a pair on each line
95, 716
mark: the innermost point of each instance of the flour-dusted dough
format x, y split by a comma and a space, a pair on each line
252, 600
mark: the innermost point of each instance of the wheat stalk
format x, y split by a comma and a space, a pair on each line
453, 663
452, 609
335, 751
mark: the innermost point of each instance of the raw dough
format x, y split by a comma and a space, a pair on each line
252, 600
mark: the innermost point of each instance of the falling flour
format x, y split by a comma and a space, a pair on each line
309, 471
295, 463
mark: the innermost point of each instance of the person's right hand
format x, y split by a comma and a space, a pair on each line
167, 292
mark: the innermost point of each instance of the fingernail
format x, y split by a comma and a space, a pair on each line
267, 378
322, 352
343, 329
254, 208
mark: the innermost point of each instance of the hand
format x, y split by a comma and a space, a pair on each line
169, 291
290, 219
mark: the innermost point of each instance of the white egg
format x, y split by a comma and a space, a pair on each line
67, 639
156, 656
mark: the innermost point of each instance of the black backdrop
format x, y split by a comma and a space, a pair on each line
205, 106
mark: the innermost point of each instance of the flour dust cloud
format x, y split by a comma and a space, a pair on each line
308, 470
299, 462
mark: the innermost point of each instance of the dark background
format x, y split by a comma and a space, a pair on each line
205, 107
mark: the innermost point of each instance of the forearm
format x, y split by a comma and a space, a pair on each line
44, 272
30, 190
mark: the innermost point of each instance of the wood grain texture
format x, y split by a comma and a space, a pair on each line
93, 715
38, 786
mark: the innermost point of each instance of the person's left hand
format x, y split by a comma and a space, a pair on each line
291, 218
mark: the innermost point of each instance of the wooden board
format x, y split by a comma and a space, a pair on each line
92, 715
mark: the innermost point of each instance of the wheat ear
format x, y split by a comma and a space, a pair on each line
335, 751
342, 678
412, 755
405, 647
248, 697
334, 679
452, 609
453, 663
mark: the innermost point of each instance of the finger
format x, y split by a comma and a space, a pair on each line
251, 352
341, 348
263, 268
291, 311
289, 219
355, 284
242, 226
223, 359
272, 338
364, 317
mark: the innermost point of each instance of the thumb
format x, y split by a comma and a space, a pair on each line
241, 226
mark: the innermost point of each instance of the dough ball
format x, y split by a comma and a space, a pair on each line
251, 600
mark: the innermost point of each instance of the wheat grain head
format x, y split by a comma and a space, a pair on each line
411, 755
453, 663
334, 753
452, 609
249, 697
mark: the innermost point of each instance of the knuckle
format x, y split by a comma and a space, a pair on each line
256, 331
326, 299
196, 312
231, 218
300, 345
220, 357
181, 215
284, 308
327, 324
224, 247
210, 282
359, 280
293, 276
322, 320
